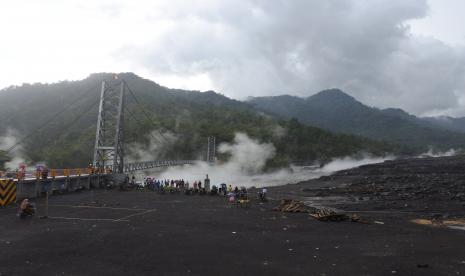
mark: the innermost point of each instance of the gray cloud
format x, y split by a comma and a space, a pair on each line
262, 47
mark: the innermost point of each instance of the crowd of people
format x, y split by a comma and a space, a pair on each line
197, 187
236, 194
165, 184
177, 185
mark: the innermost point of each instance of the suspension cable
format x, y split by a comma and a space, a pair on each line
140, 124
51, 118
77, 118
143, 109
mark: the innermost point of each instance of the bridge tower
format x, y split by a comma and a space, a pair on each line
109, 149
211, 150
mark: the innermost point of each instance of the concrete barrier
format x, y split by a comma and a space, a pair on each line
32, 187
7, 192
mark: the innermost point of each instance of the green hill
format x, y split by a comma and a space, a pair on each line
447, 122
67, 138
338, 112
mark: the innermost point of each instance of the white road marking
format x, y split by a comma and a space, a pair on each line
97, 207
138, 214
88, 219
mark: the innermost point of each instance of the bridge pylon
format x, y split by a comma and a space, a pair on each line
109, 139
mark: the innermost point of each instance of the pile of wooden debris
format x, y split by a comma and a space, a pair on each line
328, 215
291, 206
323, 214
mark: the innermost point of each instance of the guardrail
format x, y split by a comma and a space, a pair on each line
53, 173
33, 183
155, 164
63, 181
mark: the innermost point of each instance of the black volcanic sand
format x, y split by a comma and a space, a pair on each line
144, 233
433, 187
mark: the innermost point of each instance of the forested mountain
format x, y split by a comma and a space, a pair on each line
59, 121
446, 122
336, 111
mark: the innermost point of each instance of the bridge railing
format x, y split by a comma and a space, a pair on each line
53, 173
155, 164
72, 172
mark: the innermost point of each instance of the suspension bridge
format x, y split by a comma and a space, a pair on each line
109, 152
109, 139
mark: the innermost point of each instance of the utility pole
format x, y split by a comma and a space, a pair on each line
109, 146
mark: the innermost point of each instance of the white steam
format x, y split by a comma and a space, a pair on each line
435, 153
248, 158
6, 142
350, 162
151, 151
247, 155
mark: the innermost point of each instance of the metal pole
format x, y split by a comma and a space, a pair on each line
46, 204
118, 153
99, 122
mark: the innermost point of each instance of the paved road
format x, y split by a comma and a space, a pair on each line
143, 233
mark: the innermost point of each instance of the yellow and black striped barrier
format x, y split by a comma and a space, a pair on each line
7, 192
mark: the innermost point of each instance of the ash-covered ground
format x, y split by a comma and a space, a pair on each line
433, 186
145, 233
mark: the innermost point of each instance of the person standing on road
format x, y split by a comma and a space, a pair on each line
207, 183
44, 172
262, 194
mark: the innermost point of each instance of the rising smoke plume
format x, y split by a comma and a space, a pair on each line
157, 144
247, 160
16, 154
435, 153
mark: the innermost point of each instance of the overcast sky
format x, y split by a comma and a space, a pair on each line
387, 53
